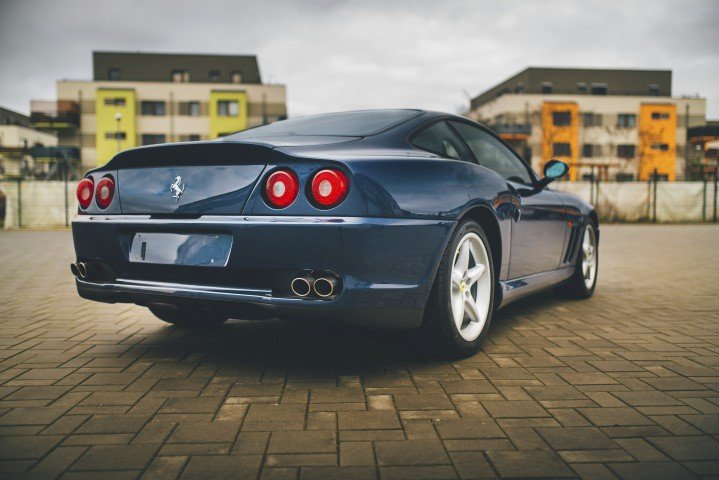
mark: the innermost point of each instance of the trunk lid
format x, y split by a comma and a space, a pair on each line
210, 178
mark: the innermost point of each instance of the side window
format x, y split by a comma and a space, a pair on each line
439, 139
491, 153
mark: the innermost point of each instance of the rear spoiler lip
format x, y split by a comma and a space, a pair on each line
171, 154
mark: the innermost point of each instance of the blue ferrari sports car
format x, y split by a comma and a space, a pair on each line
403, 219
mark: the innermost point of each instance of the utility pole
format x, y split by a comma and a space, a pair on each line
686, 142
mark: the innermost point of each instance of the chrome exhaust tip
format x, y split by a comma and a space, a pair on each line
301, 286
86, 270
324, 286
74, 270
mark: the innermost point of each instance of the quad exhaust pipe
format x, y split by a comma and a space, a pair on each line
323, 286
84, 270
301, 286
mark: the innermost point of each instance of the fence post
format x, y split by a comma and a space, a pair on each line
704, 198
19, 203
716, 185
67, 219
654, 191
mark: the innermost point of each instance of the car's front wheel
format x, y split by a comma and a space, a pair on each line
459, 309
185, 317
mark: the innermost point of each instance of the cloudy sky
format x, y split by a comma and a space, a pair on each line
338, 55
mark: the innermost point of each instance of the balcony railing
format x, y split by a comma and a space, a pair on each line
54, 115
515, 131
55, 153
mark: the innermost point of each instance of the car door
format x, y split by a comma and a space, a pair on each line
539, 219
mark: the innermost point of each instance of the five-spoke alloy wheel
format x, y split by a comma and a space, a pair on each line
471, 286
460, 305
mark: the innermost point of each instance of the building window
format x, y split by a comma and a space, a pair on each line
599, 88
561, 150
547, 87
590, 150
113, 73
654, 90
115, 135
562, 119
116, 102
214, 75
227, 108
660, 146
626, 120
581, 87
180, 76
660, 115
519, 88
153, 108
626, 151
193, 109
195, 137
153, 138
236, 77
591, 120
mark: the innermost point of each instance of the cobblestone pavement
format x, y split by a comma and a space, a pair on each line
622, 385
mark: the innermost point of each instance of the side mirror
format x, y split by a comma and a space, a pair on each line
553, 170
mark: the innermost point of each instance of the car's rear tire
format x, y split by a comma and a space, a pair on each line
584, 279
460, 305
186, 318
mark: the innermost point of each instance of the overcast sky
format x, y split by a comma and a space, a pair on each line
338, 55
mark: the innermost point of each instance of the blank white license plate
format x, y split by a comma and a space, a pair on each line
199, 250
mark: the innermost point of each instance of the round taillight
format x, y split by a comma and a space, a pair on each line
84, 192
329, 188
104, 192
281, 188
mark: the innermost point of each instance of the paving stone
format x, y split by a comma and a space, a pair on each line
337, 473
422, 402
356, 454
27, 447
222, 467
116, 457
113, 424
429, 472
515, 409
651, 471
469, 428
619, 416
576, 438
529, 464
687, 448
411, 452
303, 442
207, 432
368, 420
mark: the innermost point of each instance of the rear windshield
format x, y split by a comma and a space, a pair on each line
345, 124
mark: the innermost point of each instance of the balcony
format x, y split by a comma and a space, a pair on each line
53, 115
516, 131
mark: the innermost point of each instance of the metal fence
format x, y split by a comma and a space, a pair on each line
651, 201
37, 203
50, 204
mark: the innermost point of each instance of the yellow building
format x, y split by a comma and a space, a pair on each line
146, 98
614, 124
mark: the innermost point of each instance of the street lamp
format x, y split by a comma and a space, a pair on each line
118, 118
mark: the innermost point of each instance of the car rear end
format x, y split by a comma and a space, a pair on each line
243, 229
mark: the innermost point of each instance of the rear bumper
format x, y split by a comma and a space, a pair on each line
386, 265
